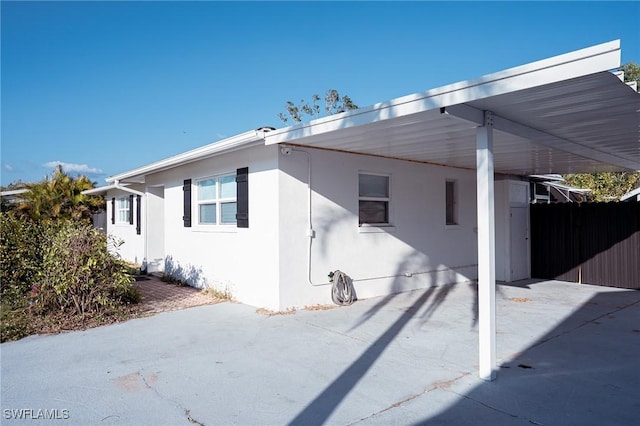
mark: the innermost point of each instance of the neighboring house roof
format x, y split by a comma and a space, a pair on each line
559, 191
13, 192
568, 193
565, 114
12, 195
629, 196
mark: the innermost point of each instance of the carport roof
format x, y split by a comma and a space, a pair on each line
565, 114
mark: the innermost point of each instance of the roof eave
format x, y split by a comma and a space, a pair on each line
240, 141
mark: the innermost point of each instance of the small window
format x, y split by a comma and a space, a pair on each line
451, 197
216, 198
123, 213
373, 198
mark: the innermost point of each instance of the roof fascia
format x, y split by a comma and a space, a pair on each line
98, 190
233, 143
602, 57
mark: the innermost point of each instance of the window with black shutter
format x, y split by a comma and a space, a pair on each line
138, 214
242, 188
186, 189
113, 211
131, 209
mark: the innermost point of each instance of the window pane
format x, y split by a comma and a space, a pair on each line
374, 186
123, 209
208, 213
207, 189
374, 212
228, 187
228, 212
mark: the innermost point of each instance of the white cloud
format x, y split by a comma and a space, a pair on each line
72, 167
7, 167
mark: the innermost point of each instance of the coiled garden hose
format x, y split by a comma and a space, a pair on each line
342, 291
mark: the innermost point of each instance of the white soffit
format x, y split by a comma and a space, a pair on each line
559, 115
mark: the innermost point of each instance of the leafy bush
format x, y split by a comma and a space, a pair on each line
79, 274
53, 268
20, 254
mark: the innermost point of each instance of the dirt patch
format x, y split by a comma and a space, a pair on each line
270, 313
520, 299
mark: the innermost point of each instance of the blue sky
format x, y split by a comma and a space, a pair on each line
104, 87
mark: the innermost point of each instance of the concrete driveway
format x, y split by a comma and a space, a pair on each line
568, 355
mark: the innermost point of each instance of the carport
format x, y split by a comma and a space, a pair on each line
565, 114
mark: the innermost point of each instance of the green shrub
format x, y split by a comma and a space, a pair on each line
15, 321
20, 254
79, 274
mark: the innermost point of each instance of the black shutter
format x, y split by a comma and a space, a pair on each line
242, 185
138, 214
186, 189
131, 209
113, 211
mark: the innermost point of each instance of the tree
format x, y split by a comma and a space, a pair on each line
333, 104
605, 186
609, 186
59, 196
631, 72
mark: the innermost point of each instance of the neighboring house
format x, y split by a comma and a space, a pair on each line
550, 189
12, 196
387, 194
631, 196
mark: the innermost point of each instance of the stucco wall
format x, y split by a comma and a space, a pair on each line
132, 248
242, 261
271, 264
418, 244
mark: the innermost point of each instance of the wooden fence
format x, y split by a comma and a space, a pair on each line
590, 243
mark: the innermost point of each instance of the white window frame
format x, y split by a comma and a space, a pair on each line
218, 201
387, 199
123, 210
453, 204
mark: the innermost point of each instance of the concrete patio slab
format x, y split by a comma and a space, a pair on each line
567, 355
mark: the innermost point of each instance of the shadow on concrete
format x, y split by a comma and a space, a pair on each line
582, 372
321, 408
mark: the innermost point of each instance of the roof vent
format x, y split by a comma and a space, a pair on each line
265, 129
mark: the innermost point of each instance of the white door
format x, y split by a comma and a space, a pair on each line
519, 243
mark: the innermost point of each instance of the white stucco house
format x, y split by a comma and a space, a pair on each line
422, 190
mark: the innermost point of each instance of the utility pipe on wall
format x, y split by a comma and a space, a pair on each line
311, 234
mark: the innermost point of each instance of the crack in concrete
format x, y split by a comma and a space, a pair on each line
335, 332
591, 321
191, 419
515, 416
187, 412
444, 385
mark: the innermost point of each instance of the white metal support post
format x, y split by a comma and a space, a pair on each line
486, 250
